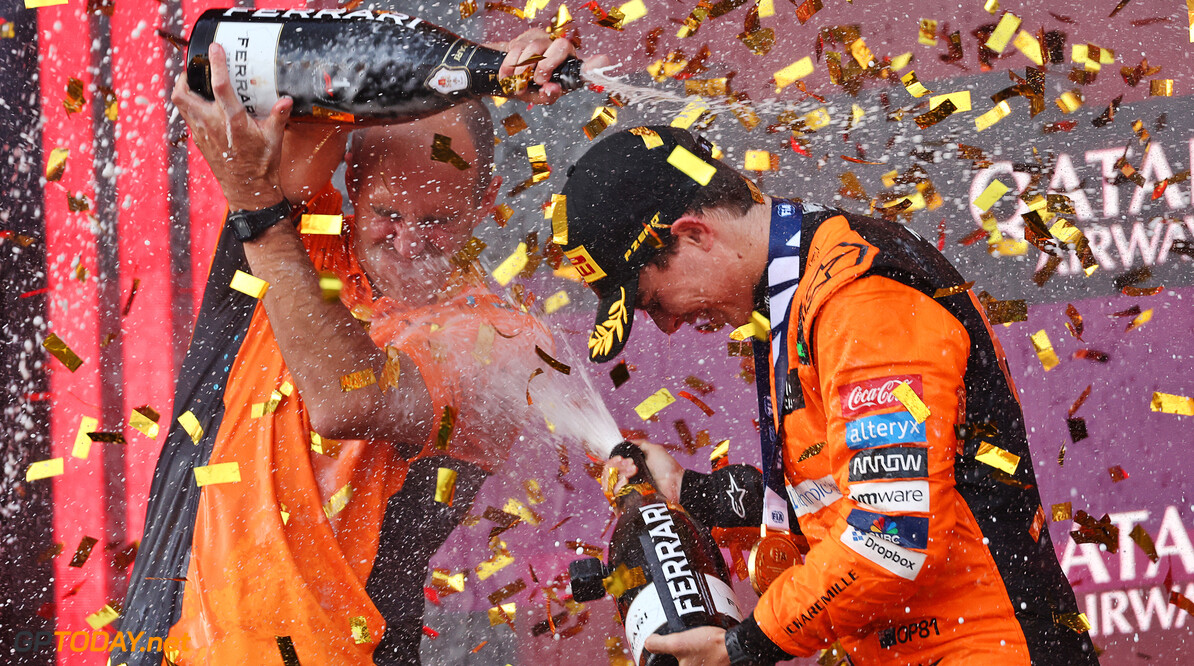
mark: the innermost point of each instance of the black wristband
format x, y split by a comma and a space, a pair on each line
249, 224
747, 644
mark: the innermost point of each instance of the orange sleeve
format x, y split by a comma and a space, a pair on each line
873, 558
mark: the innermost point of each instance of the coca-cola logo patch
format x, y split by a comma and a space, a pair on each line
870, 395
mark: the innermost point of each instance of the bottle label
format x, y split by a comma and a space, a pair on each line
448, 79
252, 50
647, 616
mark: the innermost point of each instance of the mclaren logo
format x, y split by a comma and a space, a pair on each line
583, 262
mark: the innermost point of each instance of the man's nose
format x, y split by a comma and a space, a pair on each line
665, 322
408, 242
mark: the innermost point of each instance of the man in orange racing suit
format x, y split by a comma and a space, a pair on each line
892, 396
303, 547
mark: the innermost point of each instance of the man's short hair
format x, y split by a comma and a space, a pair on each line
727, 191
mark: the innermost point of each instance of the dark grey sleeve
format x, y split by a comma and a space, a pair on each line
730, 497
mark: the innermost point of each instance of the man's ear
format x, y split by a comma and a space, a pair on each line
695, 230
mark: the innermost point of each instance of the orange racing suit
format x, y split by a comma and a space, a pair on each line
919, 552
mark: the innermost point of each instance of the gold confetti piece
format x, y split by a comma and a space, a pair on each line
622, 579
992, 455
391, 371
654, 403
1142, 539
901, 61
1190, 16
913, 85
862, 53
445, 582
540, 170
207, 475
997, 113
56, 162
1076, 621
1062, 511
513, 124
1030, 47
445, 485
83, 551
1140, 320
632, 11
1168, 403
1006, 28
441, 151
63, 353
556, 301
502, 214
960, 99
501, 614
1044, 350
534, 492
82, 446
248, 284
1070, 101
191, 426
692, 166
761, 160
559, 219
143, 423
912, 402
489, 567
74, 96
44, 469
325, 225
106, 437
338, 501
511, 265
555, 365
1160, 88
706, 87
357, 380
358, 624
685, 119
284, 513
330, 287
935, 115
990, 195
792, 73
603, 118
767, 8
7, 30
951, 291
447, 424
107, 613
928, 32
819, 118
991, 6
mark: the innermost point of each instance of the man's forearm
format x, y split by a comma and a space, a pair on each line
322, 342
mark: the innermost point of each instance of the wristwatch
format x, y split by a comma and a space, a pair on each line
249, 224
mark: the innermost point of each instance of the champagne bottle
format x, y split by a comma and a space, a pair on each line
354, 66
665, 569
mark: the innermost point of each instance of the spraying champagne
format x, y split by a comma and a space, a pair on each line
348, 66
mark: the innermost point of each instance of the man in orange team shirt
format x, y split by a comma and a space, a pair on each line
320, 550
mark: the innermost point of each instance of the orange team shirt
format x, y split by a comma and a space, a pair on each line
286, 551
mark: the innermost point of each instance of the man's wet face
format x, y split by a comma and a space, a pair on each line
412, 214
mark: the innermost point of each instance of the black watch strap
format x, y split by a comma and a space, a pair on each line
249, 224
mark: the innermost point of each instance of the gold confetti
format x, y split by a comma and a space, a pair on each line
338, 501
44, 469
357, 380
511, 265
1076, 621
513, 124
1044, 350
806, 9
60, 351
445, 582
935, 115
248, 284
992, 455
144, 423
685, 119
358, 624
82, 445
654, 403
83, 551
1168, 403
901, 61
534, 492
107, 613
1030, 47
707, 87
191, 426
74, 96
445, 485
537, 155
792, 73
862, 53
603, 118
555, 301
913, 85
1142, 539
928, 32
1004, 30
559, 219
553, 363
1160, 88
954, 290
7, 30
502, 214
447, 424
391, 371
912, 402
960, 99
1062, 511
207, 475
692, 166
990, 195
56, 162
1070, 101
761, 160
521, 510
499, 561
997, 113
441, 151
501, 614
622, 579
1140, 320
325, 225
1190, 16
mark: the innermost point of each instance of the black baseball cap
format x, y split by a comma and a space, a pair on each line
620, 201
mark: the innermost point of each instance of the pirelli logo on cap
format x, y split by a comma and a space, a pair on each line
583, 262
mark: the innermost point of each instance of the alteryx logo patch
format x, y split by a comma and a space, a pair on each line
813, 495
872, 431
897, 462
903, 531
